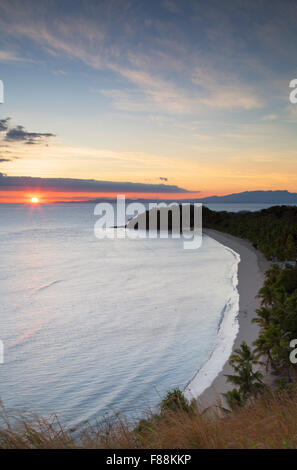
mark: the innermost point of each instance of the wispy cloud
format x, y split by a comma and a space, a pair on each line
10, 56
224, 90
155, 72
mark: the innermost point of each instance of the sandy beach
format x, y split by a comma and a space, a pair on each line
251, 274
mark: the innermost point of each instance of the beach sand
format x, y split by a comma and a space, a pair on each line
251, 275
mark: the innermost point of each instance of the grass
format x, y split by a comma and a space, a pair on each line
268, 422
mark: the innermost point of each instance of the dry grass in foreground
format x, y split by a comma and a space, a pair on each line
269, 422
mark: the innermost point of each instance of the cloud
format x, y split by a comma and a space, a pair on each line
19, 134
153, 93
161, 66
4, 124
9, 56
13, 183
12, 137
212, 88
6, 155
223, 89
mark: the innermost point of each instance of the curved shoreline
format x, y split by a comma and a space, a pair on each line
227, 331
251, 270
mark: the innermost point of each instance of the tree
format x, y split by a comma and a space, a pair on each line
234, 398
175, 400
249, 382
277, 318
291, 247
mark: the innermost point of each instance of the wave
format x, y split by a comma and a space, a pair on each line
45, 286
26, 336
228, 328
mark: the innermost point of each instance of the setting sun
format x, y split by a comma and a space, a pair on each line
34, 200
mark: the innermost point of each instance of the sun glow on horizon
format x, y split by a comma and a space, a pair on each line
34, 200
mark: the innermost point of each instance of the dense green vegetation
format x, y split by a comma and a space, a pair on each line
272, 231
277, 318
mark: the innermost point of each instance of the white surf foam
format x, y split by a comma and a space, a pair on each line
227, 332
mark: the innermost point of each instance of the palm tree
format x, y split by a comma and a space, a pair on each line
266, 293
248, 381
234, 398
263, 317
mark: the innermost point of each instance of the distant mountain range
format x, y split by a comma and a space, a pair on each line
256, 197
246, 197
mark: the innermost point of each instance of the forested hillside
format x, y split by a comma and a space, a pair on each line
272, 231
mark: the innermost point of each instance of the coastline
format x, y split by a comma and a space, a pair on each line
251, 274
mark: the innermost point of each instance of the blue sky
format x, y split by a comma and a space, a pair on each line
194, 91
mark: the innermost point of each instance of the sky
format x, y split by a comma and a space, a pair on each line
184, 98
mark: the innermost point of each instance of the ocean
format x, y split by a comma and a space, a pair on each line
92, 327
